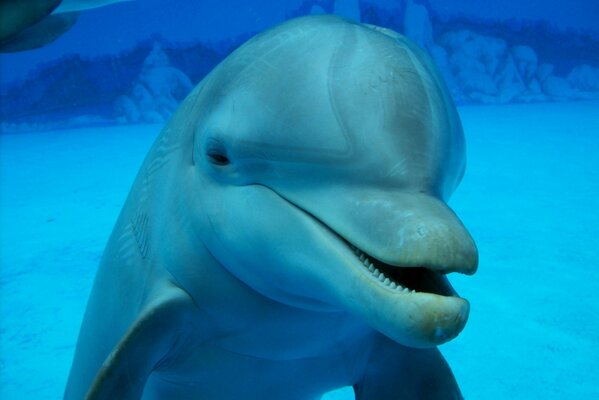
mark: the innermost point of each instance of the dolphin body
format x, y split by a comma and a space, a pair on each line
287, 233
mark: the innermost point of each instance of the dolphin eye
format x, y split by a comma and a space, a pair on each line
218, 157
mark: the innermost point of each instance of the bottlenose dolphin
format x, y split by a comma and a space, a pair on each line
287, 233
29, 24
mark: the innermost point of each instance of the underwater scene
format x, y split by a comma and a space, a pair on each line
299, 199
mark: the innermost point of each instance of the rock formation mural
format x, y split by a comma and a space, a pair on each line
156, 92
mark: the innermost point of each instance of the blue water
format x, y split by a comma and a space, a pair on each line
69, 153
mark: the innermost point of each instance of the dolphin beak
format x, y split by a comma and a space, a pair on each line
414, 230
398, 248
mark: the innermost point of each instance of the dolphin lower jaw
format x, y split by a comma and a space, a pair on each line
414, 306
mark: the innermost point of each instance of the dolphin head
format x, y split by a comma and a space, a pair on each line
325, 151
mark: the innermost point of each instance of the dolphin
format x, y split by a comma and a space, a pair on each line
29, 24
288, 232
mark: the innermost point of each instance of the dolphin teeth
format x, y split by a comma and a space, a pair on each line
379, 275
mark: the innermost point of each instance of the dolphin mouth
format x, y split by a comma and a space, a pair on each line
410, 302
405, 279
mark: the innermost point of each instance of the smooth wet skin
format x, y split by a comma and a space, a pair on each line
288, 232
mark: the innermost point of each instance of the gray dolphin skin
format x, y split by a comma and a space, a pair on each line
287, 233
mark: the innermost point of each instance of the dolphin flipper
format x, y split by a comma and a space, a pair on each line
17, 15
29, 24
398, 372
40, 34
124, 373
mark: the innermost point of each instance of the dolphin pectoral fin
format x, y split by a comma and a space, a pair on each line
17, 15
124, 373
398, 372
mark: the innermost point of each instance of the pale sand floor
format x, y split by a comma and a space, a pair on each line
529, 197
